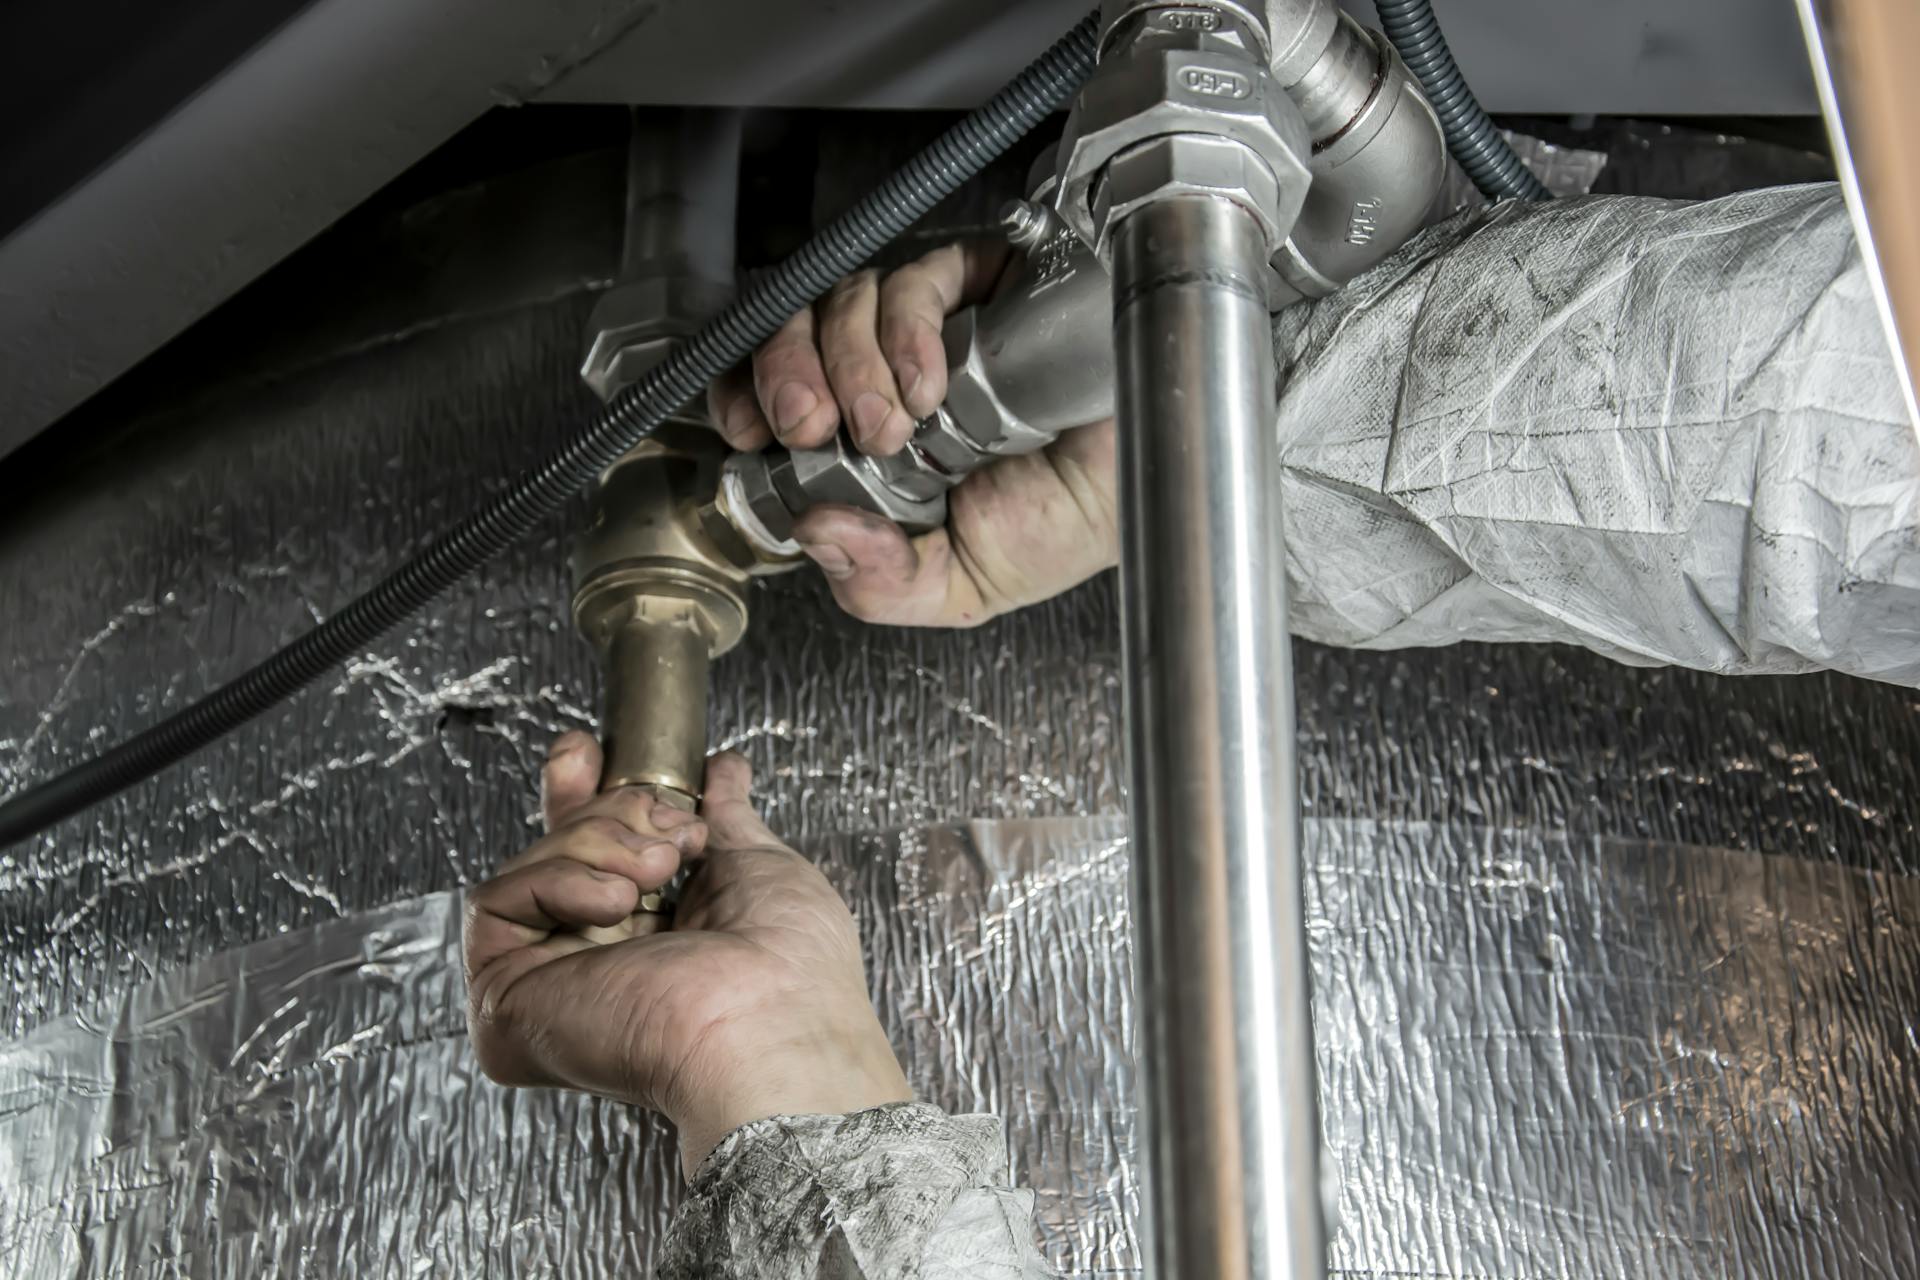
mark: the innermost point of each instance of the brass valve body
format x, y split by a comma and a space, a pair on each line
660, 592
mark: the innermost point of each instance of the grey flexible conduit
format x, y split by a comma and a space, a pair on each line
1493, 165
846, 244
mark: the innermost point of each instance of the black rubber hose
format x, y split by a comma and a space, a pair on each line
1473, 139
845, 245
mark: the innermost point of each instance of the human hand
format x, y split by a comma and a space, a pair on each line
870, 355
753, 1004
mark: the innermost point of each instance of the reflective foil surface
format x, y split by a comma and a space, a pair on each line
1539, 1056
1615, 967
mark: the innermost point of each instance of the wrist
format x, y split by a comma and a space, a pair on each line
813, 1068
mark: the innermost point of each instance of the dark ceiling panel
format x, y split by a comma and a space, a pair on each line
79, 82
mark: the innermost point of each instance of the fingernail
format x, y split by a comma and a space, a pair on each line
666, 817
685, 838
791, 405
564, 746
869, 415
833, 562
910, 375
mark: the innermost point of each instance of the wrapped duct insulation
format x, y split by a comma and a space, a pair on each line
1669, 432
1615, 966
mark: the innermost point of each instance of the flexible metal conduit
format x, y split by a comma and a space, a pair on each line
1472, 137
960, 153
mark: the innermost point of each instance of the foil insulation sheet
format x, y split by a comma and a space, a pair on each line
1540, 1057
1616, 965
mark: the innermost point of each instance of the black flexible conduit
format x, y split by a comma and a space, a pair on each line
1479, 147
957, 155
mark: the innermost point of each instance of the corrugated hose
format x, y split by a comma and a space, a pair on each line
1471, 135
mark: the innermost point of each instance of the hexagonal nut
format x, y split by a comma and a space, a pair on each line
973, 406
1151, 92
635, 324
841, 474
1188, 164
753, 502
945, 447
1212, 24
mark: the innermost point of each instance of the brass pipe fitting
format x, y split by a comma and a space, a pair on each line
660, 592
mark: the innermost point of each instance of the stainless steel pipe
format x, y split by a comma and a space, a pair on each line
1231, 1122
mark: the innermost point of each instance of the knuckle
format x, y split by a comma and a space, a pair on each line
784, 351
473, 909
852, 286
862, 597
851, 368
498, 1061
781, 359
590, 831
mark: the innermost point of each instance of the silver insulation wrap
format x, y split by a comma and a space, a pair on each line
1615, 966
1669, 432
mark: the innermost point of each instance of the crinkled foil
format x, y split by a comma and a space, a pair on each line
1540, 1056
1660, 1022
1566, 171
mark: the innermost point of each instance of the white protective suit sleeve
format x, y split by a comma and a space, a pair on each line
1669, 432
895, 1192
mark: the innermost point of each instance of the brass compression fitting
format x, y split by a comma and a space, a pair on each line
660, 581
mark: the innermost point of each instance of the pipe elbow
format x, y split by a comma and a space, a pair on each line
1379, 162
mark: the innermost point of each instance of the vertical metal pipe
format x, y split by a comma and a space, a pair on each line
655, 725
683, 186
1230, 1110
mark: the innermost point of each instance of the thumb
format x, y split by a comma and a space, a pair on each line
725, 803
878, 575
569, 778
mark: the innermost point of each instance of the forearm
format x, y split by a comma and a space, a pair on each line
892, 1191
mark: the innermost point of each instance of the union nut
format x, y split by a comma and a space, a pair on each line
1194, 164
635, 325
1152, 91
764, 493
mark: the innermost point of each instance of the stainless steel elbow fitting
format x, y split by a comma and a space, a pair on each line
1379, 161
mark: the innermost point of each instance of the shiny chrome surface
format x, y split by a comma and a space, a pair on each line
1861, 52
1231, 1121
1379, 163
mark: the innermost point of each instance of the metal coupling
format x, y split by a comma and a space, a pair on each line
1375, 156
1183, 72
1020, 369
1288, 109
660, 582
